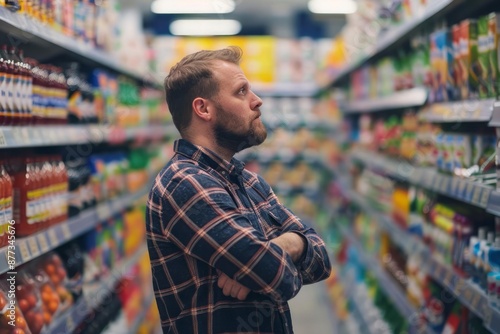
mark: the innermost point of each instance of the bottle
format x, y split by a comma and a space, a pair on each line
9, 86
74, 94
17, 87
62, 96
27, 88
36, 90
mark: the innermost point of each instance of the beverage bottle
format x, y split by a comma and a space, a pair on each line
61, 179
27, 88
8, 199
24, 184
62, 96
74, 94
9, 85
17, 86
45, 112
52, 115
36, 90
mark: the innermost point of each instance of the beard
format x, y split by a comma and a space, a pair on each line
228, 136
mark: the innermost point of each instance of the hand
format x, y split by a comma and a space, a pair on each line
291, 243
232, 288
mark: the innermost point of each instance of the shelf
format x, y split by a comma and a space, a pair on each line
71, 319
36, 136
464, 290
388, 284
134, 329
42, 242
26, 29
415, 97
286, 90
473, 193
460, 111
396, 34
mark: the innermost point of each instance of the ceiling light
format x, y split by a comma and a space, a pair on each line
192, 6
332, 6
205, 27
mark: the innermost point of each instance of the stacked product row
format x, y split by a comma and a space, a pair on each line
48, 287
34, 93
455, 63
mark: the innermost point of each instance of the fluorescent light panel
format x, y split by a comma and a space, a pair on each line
332, 6
205, 27
192, 6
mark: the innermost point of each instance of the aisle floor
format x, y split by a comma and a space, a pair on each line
312, 311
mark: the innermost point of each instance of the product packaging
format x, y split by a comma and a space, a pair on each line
468, 83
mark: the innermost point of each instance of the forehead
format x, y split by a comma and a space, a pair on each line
228, 73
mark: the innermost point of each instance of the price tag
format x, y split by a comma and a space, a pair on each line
44, 245
476, 196
455, 182
66, 232
34, 249
469, 191
25, 253
103, 212
461, 189
3, 140
485, 197
70, 323
54, 241
445, 186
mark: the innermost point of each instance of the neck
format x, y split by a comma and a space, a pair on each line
210, 143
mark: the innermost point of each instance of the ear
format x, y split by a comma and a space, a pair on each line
202, 109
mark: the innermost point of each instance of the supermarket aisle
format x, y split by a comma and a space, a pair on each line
312, 311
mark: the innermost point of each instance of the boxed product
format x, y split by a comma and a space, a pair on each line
439, 65
468, 82
483, 48
494, 66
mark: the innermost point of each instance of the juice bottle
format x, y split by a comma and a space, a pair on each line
9, 85
25, 88
61, 181
8, 196
45, 195
36, 91
25, 185
17, 86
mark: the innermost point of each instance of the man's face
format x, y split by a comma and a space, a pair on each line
238, 124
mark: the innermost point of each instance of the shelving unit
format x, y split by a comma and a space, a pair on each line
415, 97
461, 111
464, 290
29, 30
469, 192
392, 290
23, 136
286, 90
40, 243
73, 317
437, 8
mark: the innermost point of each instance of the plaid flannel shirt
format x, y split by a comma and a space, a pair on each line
206, 214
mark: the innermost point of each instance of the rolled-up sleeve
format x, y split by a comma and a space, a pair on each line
200, 217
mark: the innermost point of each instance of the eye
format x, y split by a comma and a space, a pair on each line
242, 91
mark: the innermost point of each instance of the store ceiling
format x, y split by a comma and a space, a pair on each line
282, 18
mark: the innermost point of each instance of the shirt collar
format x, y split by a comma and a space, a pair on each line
208, 157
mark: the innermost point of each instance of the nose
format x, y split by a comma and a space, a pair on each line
256, 102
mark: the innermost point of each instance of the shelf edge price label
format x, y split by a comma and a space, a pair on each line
476, 196
54, 241
33, 245
461, 189
66, 232
445, 185
3, 140
469, 191
455, 183
24, 251
485, 197
104, 212
437, 183
44, 245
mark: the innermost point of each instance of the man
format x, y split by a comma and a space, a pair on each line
226, 256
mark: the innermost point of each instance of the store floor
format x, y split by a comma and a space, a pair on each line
312, 312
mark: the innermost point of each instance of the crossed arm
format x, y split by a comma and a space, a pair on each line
209, 226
